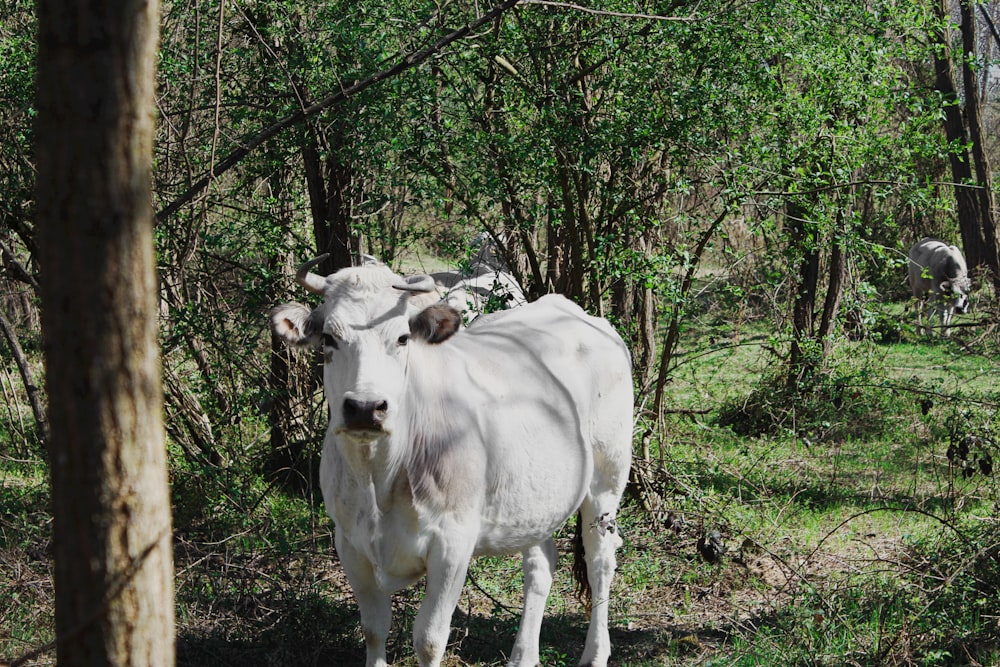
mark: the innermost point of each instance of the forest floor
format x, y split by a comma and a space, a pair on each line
856, 532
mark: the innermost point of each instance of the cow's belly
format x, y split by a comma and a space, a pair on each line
497, 539
529, 497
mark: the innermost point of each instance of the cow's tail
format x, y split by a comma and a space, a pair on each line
580, 565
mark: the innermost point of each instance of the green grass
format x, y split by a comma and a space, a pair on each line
855, 533
831, 496
26, 596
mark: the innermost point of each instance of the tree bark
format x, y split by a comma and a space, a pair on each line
967, 207
804, 246
985, 198
110, 503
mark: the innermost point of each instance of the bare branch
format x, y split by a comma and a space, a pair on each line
23, 272
598, 12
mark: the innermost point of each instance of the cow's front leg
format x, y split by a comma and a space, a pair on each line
447, 565
374, 603
947, 312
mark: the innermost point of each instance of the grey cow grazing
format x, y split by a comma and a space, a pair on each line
939, 279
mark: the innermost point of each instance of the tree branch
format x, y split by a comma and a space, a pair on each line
407, 62
24, 368
989, 22
598, 12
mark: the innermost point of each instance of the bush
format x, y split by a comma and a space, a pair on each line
836, 402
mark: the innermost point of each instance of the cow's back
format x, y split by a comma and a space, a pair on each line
932, 262
546, 390
552, 339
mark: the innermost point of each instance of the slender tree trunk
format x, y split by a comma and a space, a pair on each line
329, 182
804, 245
572, 252
834, 295
290, 382
111, 528
673, 329
27, 377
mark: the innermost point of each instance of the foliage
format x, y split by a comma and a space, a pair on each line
600, 148
17, 52
832, 404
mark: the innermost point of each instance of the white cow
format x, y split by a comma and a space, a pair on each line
447, 443
939, 280
487, 284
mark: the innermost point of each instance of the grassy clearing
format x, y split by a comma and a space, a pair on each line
866, 535
860, 521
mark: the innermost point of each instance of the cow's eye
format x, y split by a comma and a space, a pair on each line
330, 341
404, 339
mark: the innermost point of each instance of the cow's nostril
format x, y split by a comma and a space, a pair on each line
364, 414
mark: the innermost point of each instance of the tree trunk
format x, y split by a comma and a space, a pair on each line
27, 377
985, 198
967, 207
804, 245
673, 329
111, 527
329, 180
834, 295
291, 380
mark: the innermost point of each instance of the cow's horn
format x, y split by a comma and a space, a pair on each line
416, 284
312, 282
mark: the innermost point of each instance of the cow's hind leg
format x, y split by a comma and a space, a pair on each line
600, 540
539, 563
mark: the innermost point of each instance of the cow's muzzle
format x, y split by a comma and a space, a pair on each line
364, 415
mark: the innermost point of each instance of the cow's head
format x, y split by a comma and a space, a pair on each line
367, 325
956, 294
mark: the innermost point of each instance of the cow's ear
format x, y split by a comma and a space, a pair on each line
435, 324
945, 285
288, 321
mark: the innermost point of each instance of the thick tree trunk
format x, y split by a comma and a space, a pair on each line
967, 206
985, 198
111, 529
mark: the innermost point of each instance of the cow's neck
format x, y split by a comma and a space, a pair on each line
374, 468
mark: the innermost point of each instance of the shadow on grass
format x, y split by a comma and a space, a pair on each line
281, 630
317, 631
489, 640
844, 489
